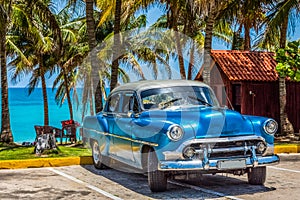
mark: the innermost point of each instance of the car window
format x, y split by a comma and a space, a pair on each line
125, 101
180, 95
113, 103
129, 103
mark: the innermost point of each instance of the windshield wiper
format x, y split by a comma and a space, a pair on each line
168, 103
200, 100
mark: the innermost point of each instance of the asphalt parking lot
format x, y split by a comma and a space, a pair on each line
85, 182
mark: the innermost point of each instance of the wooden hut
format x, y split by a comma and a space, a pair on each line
247, 82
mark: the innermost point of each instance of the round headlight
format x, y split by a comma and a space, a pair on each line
270, 126
175, 132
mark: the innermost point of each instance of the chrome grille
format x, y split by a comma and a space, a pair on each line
226, 149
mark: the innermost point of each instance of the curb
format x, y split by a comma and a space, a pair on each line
287, 149
46, 162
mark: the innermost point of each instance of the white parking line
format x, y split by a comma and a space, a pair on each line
85, 184
204, 190
283, 169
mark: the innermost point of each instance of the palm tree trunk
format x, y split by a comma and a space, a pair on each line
91, 102
208, 45
68, 93
92, 44
6, 134
98, 97
180, 55
45, 99
116, 47
191, 62
247, 45
90, 24
174, 26
285, 124
237, 41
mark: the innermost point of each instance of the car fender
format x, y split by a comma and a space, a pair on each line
95, 129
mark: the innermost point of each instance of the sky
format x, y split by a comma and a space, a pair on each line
153, 14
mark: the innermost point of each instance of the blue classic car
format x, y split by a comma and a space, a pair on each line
177, 128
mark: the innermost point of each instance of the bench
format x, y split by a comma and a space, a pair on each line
58, 133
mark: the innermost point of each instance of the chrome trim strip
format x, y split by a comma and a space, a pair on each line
226, 150
122, 137
219, 140
185, 165
227, 139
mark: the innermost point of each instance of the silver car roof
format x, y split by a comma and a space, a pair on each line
152, 84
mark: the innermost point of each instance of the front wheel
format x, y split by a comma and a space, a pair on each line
97, 156
257, 175
157, 180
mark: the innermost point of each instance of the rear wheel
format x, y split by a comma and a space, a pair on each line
157, 180
97, 158
257, 175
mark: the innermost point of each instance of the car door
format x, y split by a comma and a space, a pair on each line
122, 129
111, 111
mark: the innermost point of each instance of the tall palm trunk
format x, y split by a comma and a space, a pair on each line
90, 24
92, 44
45, 99
6, 134
68, 93
174, 10
90, 99
247, 45
191, 62
285, 124
117, 45
98, 97
180, 55
208, 45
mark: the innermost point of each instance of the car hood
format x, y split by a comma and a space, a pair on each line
206, 122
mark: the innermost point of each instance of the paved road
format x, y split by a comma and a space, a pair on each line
85, 182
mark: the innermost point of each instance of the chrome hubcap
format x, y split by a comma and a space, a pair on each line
96, 152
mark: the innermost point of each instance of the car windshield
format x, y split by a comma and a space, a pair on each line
178, 96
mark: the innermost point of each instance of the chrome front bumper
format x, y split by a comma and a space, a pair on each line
219, 164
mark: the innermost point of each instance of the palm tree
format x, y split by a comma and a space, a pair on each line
85, 75
75, 49
189, 21
211, 10
108, 8
248, 15
6, 133
275, 36
39, 45
175, 8
117, 44
91, 31
284, 11
192, 39
180, 18
121, 11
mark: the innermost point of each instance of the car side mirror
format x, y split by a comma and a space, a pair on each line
132, 114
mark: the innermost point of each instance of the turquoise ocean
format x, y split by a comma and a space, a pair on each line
27, 111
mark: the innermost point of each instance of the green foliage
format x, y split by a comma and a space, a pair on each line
17, 152
288, 60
